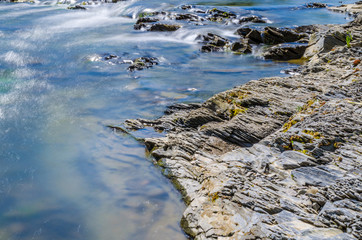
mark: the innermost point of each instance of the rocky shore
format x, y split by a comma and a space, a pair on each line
276, 158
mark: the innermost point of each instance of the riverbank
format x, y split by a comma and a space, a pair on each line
276, 158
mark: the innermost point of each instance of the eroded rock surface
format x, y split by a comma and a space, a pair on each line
276, 158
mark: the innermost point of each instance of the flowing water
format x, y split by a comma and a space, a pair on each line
63, 174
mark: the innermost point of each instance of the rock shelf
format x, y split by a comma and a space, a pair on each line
275, 158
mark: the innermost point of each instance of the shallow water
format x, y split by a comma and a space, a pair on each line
63, 174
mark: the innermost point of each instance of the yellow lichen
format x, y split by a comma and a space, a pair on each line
289, 124
214, 197
316, 135
236, 111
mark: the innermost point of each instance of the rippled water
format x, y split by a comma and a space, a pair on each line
63, 174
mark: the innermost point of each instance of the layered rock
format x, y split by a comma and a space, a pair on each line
276, 158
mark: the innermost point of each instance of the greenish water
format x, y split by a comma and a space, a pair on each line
63, 174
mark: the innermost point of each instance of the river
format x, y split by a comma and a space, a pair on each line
63, 174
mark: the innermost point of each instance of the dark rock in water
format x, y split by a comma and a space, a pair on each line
142, 63
254, 36
211, 48
243, 31
241, 47
186, 7
77, 7
146, 20
217, 15
159, 27
254, 19
272, 36
213, 42
285, 53
109, 56
187, 17
316, 5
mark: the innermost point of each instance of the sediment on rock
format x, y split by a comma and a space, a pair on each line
275, 158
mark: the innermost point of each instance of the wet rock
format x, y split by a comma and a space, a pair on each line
164, 28
188, 17
284, 53
272, 36
316, 5
186, 7
216, 15
142, 63
213, 42
77, 7
241, 47
253, 18
147, 20
243, 31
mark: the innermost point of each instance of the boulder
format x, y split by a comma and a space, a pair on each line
284, 53
272, 36
241, 47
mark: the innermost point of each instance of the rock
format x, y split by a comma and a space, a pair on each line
213, 42
243, 31
241, 47
188, 17
216, 15
353, 9
316, 5
163, 27
186, 7
142, 63
284, 53
253, 18
309, 29
275, 158
77, 7
293, 159
324, 42
254, 36
272, 36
